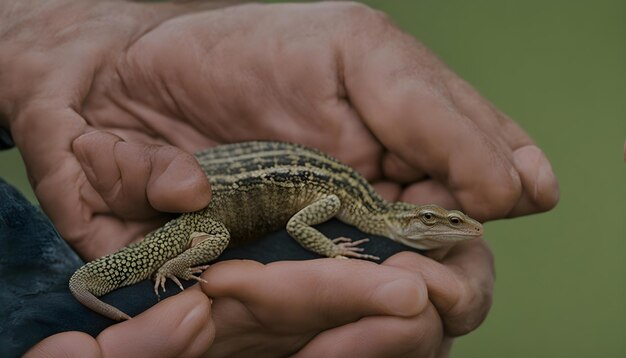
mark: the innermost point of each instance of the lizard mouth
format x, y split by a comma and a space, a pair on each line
446, 236
438, 239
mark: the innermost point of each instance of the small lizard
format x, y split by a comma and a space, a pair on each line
260, 187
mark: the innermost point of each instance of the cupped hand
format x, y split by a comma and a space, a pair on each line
295, 308
106, 101
106, 109
349, 307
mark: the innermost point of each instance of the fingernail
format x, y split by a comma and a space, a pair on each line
199, 313
401, 297
193, 315
182, 186
540, 180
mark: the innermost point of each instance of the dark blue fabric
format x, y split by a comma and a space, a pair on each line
36, 264
6, 141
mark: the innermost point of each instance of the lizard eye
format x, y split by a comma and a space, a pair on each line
455, 220
428, 218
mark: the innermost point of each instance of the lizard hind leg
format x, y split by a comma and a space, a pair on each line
203, 247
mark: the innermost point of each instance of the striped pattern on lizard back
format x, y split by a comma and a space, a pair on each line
258, 186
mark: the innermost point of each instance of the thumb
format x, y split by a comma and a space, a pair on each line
137, 180
317, 294
178, 326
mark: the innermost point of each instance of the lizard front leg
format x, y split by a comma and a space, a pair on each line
299, 227
207, 241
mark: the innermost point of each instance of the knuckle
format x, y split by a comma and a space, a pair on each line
507, 194
494, 196
359, 10
360, 15
509, 187
417, 333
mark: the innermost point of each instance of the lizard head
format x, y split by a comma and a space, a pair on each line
430, 227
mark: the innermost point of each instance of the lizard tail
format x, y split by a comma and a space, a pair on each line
80, 290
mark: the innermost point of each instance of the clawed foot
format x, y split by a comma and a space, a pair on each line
163, 274
348, 249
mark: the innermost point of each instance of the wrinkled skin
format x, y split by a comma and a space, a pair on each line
106, 101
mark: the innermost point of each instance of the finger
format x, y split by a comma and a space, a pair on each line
62, 188
66, 344
391, 80
492, 121
539, 186
445, 347
317, 293
460, 286
429, 192
380, 336
541, 189
401, 171
388, 190
137, 180
44, 133
178, 326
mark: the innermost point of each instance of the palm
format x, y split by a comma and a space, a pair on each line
294, 98
186, 89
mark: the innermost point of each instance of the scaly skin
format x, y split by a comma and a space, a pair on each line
260, 187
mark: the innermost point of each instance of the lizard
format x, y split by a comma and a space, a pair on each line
259, 187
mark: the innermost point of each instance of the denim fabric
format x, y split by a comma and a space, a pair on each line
36, 264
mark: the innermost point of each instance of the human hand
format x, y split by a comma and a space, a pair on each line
299, 309
95, 130
405, 324
99, 118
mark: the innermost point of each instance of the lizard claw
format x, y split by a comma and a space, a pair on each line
199, 279
348, 248
175, 279
198, 269
163, 274
159, 280
341, 239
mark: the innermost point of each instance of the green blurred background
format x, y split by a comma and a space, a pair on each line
559, 69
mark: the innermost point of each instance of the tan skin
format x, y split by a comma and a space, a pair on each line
106, 101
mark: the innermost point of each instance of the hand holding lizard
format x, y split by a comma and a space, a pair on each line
123, 92
297, 309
